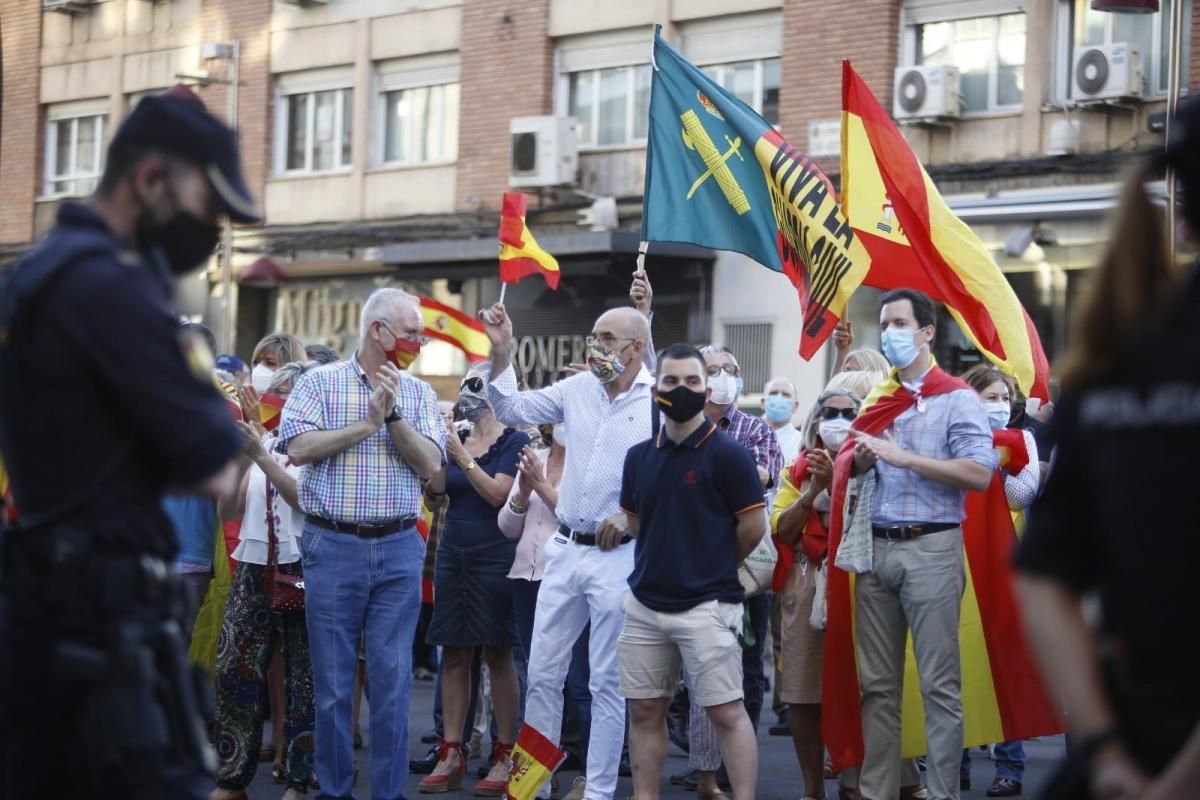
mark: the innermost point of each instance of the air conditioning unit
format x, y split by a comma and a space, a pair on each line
1107, 72
67, 6
544, 151
925, 92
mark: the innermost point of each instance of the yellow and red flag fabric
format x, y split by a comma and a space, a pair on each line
270, 410
719, 175
453, 326
534, 759
916, 241
519, 251
1002, 693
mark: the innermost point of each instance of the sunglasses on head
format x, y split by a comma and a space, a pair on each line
472, 385
833, 413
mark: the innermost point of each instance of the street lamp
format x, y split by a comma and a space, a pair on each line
229, 52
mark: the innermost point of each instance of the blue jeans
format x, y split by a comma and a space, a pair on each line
1009, 758
372, 587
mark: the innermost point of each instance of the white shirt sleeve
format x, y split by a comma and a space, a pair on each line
512, 407
1022, 488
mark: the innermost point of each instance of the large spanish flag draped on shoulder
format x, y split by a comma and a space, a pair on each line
519, 251
1003, 695
453, 326
719, 175
915, 240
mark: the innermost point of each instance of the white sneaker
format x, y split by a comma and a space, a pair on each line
577, 789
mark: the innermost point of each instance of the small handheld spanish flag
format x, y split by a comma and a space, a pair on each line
534, 759
519, 251
270, 410
453, 326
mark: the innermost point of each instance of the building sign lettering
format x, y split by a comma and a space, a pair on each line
542, 358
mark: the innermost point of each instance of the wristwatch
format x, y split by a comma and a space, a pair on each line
392, 417
472, 465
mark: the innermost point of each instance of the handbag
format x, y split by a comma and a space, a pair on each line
285, 593
819, 614
758, 568
856, 553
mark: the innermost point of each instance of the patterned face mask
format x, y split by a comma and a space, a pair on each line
605, 364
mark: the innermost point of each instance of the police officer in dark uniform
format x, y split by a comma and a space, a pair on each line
103, 406
1119, 518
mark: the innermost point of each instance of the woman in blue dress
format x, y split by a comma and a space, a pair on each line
472, 596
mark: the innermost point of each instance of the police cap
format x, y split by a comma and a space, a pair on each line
177, 122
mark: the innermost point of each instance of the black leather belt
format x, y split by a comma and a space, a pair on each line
906, 532
589, 539
362, 531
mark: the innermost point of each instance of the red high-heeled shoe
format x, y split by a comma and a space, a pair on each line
449, 781
501, 754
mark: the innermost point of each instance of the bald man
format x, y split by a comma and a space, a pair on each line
606, 410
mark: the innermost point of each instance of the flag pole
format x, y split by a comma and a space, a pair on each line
641, 258
503, 289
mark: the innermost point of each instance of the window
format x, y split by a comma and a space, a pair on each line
421, 124
74, 150
755, 83
317, 130
751, 343
989, 52
1148, 33
612, 105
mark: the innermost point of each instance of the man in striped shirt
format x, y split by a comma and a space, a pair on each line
368, 435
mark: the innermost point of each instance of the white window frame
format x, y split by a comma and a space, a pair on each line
422, 72
338, 80
1064, 49
73, 112
929, 12
630, 139
759, 68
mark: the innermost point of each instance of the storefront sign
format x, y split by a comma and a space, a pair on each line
320, 315
542, 358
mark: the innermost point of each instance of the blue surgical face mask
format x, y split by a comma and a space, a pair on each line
898, 346
779, 408
998, 414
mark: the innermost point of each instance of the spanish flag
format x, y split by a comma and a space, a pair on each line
519, 251
915, 241
1002, 693
270, 410
453, 326
534, 759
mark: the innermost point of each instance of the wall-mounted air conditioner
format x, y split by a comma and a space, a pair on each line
925, 92
1107, 72
544, 151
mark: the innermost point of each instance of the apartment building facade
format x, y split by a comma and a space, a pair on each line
377, 135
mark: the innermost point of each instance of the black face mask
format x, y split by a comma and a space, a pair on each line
681, 403
185, 241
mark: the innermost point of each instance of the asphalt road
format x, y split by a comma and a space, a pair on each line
779, 776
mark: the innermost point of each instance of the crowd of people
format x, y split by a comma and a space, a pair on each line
579, 546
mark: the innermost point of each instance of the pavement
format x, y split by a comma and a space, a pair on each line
779, 775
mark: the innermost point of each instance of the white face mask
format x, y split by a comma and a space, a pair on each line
998, 414
260, 378
834, 432
560, 434
724, 389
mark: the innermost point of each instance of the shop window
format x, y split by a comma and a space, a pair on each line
75, 150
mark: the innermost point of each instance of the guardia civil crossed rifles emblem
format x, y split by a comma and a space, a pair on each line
719, 175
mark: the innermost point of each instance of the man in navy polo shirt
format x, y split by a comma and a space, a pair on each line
694, 503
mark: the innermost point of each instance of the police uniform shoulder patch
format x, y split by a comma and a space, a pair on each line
196, 355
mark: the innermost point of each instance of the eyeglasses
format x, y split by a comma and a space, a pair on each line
828, 413
408, 335
474, 385
606, 340
715, 369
